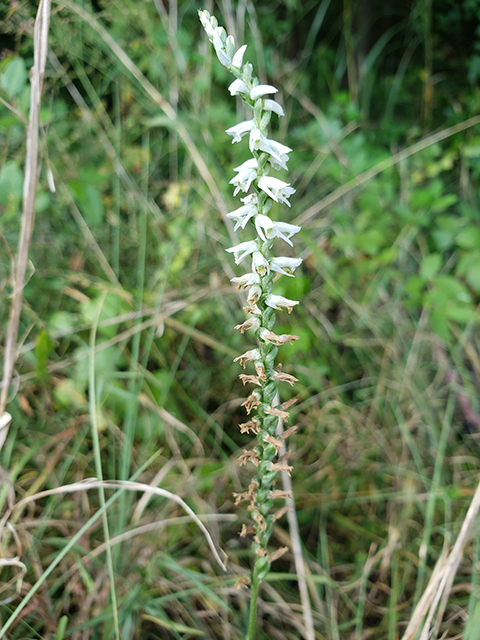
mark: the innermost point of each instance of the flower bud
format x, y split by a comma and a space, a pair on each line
247, 72
230, 46
265, 120
258, 110
262, 567
269, 451
269, 392
271, 355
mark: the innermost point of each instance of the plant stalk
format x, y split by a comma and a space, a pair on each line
252, 614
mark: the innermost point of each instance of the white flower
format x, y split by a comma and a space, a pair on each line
238, 86
276, 150
264, 225
285, 230
277, 165
250, 199
260, 264
253, 309
260, 90
242, 250
247, 280
276, 189
254, 294
279, 302
242, 215
285, 265
247, 165
251, 323
267, 228
240, 129
247, 172
269, 336
271, 105
254, 354
237, 59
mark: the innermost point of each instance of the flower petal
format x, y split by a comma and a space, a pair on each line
246, 280
242, 250
276, 189
285, 265
260, 264
240, 130
248, 164
279, 302
237, 59
260, 90
271, 105
239, 86
242, 215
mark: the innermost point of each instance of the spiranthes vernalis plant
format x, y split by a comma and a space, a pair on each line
261, 190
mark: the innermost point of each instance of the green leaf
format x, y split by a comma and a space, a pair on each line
92, 206
371, 241
90, 202
61, 322
448, 290
430, 266
446, 232
106, 362
62, 627
42, 202
439, 324
469, 267
469, 237
112, 306
473, 624
414, 287
43, 349
11, 182
67, 395
459, 314
426, 196
442, 203
14, 78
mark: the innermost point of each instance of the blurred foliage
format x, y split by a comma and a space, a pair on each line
131, 241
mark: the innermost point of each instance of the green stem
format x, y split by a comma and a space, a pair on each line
252, 615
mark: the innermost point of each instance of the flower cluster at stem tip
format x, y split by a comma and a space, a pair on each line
262, 190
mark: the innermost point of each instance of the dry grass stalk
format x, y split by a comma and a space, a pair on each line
128, 485
28, 214
440, 584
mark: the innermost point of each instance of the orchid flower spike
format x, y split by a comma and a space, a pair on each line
261, 191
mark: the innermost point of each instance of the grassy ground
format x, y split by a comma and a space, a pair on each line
126, 342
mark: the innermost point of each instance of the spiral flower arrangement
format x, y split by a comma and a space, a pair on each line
262, 190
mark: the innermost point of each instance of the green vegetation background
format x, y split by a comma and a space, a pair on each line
132, 242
